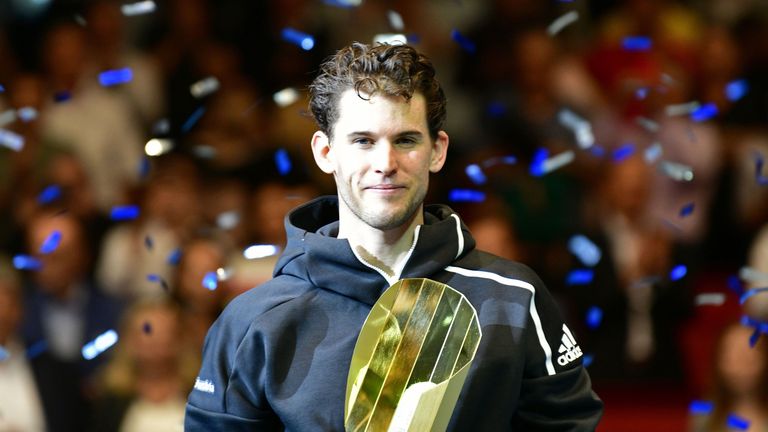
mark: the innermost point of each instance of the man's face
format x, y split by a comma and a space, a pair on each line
380, 155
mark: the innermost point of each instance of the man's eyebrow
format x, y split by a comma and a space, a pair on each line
414, 133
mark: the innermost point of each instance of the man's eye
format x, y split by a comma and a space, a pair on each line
406, 141
363, 141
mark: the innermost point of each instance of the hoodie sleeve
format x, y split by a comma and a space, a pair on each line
228, 394
556, 393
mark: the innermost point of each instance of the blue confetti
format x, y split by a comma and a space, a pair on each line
147, 328
636, 43
585, 250
36, 349
750, 293
623, 152
506, 160
121, 213
62, 96
736, 422
701, 407
598, 151
735, 285
496, 109
345, 4
2, 89
466, 195
49, 194
26, 262
678, 272
148, 242
687, 209
144, 167
755, 337
465, 43
174, 257
153, 277
536, 168
115, 76
736, 90
303, 40
704, 112
761, 180
641, 93
51, 242
192, 120
587, 360
27, 114
594, 317
413, 38
475, 173
4, 354
580, 277
97, 346
210, 281
283, 162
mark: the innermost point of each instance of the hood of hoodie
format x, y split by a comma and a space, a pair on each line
313, 252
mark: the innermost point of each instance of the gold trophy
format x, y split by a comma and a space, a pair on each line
411, 359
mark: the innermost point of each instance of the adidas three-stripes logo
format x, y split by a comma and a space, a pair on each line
569, 349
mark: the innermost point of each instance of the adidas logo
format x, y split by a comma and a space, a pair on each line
568, 348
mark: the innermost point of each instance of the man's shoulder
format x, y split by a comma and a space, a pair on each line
490, 264
251, 305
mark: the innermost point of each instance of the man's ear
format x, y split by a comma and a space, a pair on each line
439, 152
323, 153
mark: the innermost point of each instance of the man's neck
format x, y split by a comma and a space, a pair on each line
383, 249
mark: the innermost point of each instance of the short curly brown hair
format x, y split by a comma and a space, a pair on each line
393, 70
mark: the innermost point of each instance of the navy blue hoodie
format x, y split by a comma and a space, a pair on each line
278, 356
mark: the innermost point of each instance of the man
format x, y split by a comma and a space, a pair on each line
279, 355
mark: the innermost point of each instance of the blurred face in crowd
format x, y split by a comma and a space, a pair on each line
199, 258
380, 155
10, 309
741, 368
153, 337
65, 265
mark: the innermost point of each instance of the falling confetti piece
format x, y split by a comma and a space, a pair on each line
648, 124
687, 209
303, 40
395, 21
681, 109
228, 219
148, 243
704, 112
736, 90
505, 160
701, 407
466, 195
158, 146
750, 274
26, 262
27, 114
204, 87
641, 93
585, 250
51, 242
49, 194
36, 349
97, 346
579, 277
343, 3
475, 173
122, 213
623, 152
174, 257
676, 171
138, 8
652, 153
463, 42
636, 43
587, 360
751, 293
594, 317
390, 39
193, 119
283, 162
562, 22
146, 327
736, 422
678, 272
62, 96
115, 77
11, 140
286, 97
257, 251
210, 281
761, 180
709, 299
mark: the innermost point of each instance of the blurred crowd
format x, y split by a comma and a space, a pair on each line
674, 201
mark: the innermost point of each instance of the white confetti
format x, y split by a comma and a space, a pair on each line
560, 23
753, 275
681, 109
648, 124
676, 171
285, 97
138, 8
228, 220
557, 162
395, 21
158, 146
653, 153
390, 39
204, 87
12, 140
7, 117
714, 299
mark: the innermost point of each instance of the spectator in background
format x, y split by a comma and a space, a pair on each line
144, 386
96, 123
170, 215
740, 382
20, 406
64, 310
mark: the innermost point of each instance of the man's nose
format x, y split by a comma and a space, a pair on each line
385, 158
